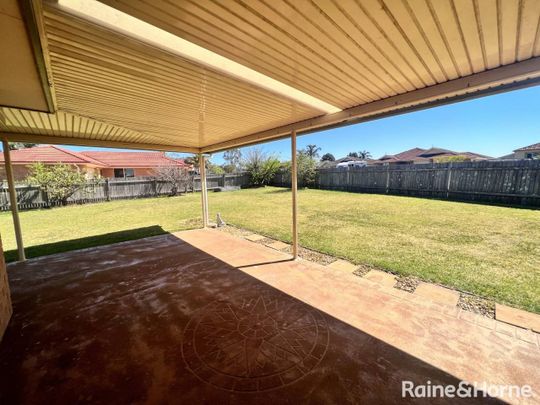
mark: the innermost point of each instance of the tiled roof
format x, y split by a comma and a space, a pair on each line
132, 159
47, 154
409, 154
530, 147
55, 154
419, 155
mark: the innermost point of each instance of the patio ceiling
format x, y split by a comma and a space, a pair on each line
342, 62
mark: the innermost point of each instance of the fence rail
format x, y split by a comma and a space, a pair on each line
515, 182
31, 197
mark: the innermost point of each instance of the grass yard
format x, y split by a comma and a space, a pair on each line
488, 250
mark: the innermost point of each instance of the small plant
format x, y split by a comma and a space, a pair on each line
60, 181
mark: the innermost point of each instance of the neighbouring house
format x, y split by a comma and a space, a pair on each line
527, 152
93, 163
327, 164
420, 156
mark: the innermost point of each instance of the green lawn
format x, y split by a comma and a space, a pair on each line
488, 250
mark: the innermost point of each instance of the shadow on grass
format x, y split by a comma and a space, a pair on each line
86, 242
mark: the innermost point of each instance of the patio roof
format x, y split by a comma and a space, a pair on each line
236, 73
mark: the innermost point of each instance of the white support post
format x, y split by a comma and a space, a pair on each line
13, 200
204, 191
294, 189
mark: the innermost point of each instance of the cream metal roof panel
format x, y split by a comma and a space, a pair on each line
351, 52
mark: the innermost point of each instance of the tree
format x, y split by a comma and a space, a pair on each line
364, 154
228, 168
260, 166
60, 181
328, 157
177, 175
215, 169
306, 170
312, 151
193, 160
353, 154
233, 157
21, 145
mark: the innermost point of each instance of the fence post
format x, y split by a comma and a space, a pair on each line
107, 190
223, 180
449, 177
348, 185
387, 178
154, 186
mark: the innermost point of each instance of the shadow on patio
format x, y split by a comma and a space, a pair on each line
162, 320
86, 242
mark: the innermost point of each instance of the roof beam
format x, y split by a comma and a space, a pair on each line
33, 19
502, 79
59, 140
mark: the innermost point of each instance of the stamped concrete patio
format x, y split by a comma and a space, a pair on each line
205, 317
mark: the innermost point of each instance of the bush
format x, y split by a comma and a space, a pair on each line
307, 169
260, 166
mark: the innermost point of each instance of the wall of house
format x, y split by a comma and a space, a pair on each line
522, 154
139, 172
20, 172
5, 297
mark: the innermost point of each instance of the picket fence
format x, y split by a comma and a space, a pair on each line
32, 197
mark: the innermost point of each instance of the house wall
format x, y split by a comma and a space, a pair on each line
5, 298
522, 154
139, 172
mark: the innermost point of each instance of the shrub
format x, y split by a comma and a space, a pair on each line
260, 166
307, 169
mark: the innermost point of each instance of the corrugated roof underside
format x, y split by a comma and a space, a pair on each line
351, 52
166, 99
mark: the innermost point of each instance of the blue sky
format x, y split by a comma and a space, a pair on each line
494, 126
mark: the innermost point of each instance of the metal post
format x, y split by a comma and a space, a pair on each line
204, 191
13, 200
294, 189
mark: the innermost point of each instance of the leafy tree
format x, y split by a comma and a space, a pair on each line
178, 176
260, 166
228, 168
328, 157
364, 154
312, 151
193, 160
353, 154
233, 157
60, 181
215, 169
21, 145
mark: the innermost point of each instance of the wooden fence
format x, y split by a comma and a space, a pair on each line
31, 197
515, 182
